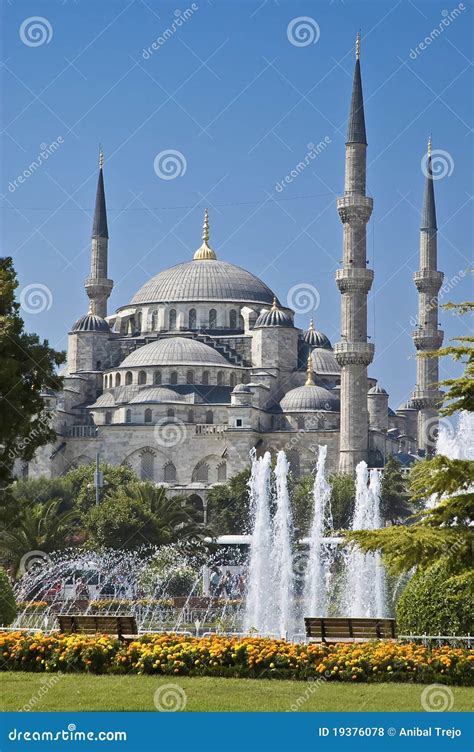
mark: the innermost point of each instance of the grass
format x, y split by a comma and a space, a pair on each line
82, 692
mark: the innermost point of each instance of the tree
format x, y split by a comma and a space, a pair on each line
142, 515
7, 600
342, 499
39, 527
229, 506
81, 479
28, 367
394, 499
444, 532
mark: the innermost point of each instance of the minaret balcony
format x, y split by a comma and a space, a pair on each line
354, 353
355, 208
424, 398
428, 280
354, 280
427, 339
98, 286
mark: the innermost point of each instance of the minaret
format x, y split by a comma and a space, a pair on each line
354, 281
427, 337
98, 287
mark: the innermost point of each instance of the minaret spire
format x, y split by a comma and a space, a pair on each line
98, 286
354, 280
205, 252
427, 336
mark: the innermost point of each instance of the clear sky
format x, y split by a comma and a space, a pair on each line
239, 89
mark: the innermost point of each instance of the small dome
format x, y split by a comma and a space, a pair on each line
241, 389
311, 397
105, 400
274, 317
91, 323
324, 362
405, 406
174, 351
377, 390
156, 394
316, 339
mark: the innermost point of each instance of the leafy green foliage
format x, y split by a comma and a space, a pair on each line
395, 499
436, 601
342, 499
228, 505
7, 600
81, 480
28, 366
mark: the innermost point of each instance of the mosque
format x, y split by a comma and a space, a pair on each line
205, 363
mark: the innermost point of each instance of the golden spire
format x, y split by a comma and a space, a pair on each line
205, 252
358, 46
429, 145
309, 372
101, 158
311, 325
274, 304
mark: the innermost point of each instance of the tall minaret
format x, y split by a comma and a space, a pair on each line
427, 337
354, 281
98, 287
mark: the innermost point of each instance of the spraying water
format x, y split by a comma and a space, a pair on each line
457, 443
282, 555
318, 571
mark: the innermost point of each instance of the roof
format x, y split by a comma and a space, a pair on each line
156, 394
428, 213
324, 362
313, 338
377, 390
274, 317
91, 323
312, 397
99, 226
174, 351
356, 125
105, 400
204, 280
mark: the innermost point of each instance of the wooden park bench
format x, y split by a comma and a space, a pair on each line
325, 629
123, 627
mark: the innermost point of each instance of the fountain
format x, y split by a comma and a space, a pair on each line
282, 554
457, 443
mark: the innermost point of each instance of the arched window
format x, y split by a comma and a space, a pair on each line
201, 473
148, 415
157, 377
205, 378
300, 423
190, 377
174, 377
233, 379
220, 378
233, 319
212, 318
117, 379
128, 416
222, 472
142, 377
147, 465
192, 318
172, 324
190, 416
128, 377
139, 321
154, 321
209, 416
170, 412
169, 473
98, 365
108, 418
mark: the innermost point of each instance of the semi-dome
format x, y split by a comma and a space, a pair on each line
274, 317
204, 280
105, 400
377, 390
156, 394
310, 397
174, 351
91, 323
316, 339
241, 389
324, 362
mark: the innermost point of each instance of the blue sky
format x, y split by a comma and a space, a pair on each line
231, 92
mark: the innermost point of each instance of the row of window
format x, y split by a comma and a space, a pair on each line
191, 322
200, 472
111, 380
170, 413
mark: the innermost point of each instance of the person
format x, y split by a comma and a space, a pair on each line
226, 590
214, 582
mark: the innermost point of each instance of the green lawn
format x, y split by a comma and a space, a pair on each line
88, 692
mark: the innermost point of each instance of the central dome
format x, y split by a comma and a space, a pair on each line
204, 280
174, 351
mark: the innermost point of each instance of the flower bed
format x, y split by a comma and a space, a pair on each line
238, 657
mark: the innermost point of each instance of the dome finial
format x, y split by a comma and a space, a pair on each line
309, 372
429, 146
101, 157
205, 252
274, 304
311, 325
358, 45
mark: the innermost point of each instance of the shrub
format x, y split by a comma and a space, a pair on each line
437, 601
7, 600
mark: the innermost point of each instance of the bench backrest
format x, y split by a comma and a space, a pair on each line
332, 629
100, 623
